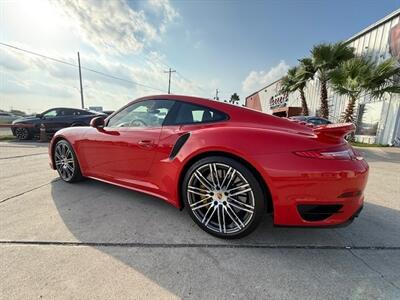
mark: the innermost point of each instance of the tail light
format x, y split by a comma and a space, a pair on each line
331, 154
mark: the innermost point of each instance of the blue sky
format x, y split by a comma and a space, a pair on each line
236, 46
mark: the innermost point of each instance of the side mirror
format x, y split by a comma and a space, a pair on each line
39, 116
97, 122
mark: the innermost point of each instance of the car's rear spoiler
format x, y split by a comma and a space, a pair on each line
334, 131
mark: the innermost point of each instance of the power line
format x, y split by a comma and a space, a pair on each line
84, 68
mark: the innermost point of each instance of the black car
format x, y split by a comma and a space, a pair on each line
53, 119
312, 120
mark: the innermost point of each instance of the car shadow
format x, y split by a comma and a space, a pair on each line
97, 212
100, 214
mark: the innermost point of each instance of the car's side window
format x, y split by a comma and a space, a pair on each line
193, 114
65, 112
317, 121
50, 114
76, 112
147, 113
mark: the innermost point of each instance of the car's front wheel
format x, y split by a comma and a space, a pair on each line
22, 134
66, 162
223, 197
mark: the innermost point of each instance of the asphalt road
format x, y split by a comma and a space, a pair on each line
93, 240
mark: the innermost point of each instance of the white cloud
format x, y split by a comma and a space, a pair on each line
165, 9
9, 61
114, 27
31, 82
258, 79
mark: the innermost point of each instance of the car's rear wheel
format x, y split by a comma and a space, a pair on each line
66, 162
223, 197
22, 133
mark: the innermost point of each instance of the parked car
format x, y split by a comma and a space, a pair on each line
311, 120
6, 117
108, 112
226, 164
53, 119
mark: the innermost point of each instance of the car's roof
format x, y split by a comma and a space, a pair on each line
242, 116
73, 108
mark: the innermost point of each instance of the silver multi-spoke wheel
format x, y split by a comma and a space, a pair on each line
64, 161
221, 198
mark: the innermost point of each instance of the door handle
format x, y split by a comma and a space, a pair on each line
146, 143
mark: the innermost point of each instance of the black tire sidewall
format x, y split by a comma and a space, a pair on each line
77, 172
259, 197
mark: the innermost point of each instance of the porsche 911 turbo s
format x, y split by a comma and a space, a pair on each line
227, 165
54, 119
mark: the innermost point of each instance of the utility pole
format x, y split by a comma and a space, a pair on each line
80, 81
169, 79
216, 94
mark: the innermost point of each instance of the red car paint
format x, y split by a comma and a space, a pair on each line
272, 146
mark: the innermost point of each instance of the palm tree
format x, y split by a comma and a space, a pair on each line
296, 79
325, 58
350, 79
384, 78
360, 75
234, 99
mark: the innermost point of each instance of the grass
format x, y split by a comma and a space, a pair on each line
7, 137
358, 144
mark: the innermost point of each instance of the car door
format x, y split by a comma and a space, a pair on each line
124, 149
49, 119
64, 118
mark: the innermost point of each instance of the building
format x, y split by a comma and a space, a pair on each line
378, 120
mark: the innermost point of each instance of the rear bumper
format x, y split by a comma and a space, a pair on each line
315, 192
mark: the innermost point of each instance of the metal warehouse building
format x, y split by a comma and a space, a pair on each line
378, 120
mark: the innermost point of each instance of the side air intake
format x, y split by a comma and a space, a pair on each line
178, 145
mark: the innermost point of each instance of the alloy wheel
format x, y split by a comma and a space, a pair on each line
221, 198
64, 161
22, 133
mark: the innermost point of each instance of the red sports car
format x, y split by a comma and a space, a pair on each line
226, 164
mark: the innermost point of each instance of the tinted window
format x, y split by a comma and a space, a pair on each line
50, 113
64, 112
148, 113
318, 121
192, 114
78, 112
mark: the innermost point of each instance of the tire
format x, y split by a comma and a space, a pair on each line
22, 134
229, 205
66, 162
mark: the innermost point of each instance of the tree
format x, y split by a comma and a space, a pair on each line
384, 78
234, 99
361, 75
296, 79
325, 58
350, 79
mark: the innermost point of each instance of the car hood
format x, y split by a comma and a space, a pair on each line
25, 120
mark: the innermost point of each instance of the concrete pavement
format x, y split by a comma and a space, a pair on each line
93, 240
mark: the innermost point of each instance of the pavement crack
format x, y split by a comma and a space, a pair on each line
26, 155
28, 191
373, 269
192, 245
